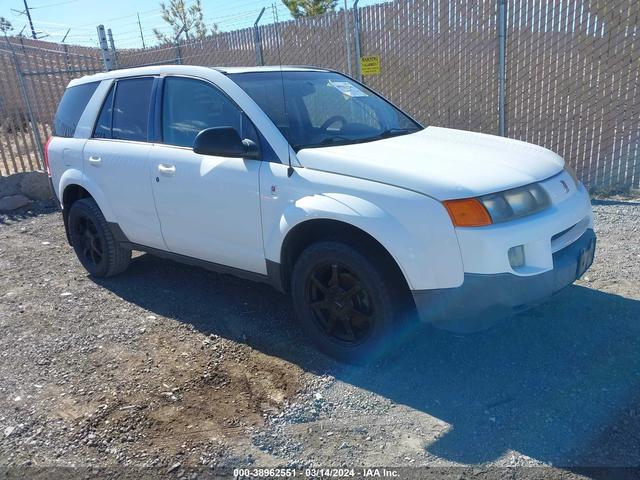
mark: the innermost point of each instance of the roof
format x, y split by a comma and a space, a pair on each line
271, 68
187, 69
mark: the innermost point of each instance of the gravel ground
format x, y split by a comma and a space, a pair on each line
175, 367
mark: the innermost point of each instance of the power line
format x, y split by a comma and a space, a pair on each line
53, 4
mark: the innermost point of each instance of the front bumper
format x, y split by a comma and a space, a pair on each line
483, 298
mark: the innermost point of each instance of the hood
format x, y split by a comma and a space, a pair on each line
440, 162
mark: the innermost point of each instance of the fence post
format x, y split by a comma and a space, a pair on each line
347, 43
502, 33
178, 53
106, 55
356, 32
112, 47
257, 39
177, 42
25, 99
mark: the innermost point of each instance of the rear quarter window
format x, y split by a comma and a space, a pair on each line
70, 109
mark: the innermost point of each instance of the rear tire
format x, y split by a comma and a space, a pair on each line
343, 302
96, 247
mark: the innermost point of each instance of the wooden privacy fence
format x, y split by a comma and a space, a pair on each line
571, 71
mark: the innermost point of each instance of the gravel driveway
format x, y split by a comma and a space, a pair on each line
175, 367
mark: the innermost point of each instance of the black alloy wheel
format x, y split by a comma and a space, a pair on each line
85, 236
345, 302
340, 303
93, 241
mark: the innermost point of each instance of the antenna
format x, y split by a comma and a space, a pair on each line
284, 101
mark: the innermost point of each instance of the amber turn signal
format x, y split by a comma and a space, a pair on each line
468, 212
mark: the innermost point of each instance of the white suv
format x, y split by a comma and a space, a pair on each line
308, 180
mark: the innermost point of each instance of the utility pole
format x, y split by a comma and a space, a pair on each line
26, 12
141, 35
33, 30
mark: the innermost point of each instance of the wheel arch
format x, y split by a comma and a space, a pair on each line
75, 186
313, 230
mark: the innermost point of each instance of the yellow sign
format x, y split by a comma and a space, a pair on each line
370, 65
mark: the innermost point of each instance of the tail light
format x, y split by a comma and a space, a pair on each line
46, 156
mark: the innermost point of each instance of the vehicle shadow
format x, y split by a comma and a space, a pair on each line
555, 383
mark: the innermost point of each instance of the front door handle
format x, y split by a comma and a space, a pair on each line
95, 161
167, 170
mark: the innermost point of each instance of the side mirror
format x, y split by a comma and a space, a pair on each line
224, 142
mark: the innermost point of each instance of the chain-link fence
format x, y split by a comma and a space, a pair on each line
33, 77
569, 68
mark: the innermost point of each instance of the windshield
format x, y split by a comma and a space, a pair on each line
323, 108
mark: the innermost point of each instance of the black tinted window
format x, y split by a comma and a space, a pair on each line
131, 109
190, 106
71, 106
103, 125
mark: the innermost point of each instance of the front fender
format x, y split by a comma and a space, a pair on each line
74, 176
413, 228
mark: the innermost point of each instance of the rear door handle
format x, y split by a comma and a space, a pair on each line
95, 161
167, 170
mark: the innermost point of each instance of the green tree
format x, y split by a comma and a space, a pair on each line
309, 8
183, 20
5, 25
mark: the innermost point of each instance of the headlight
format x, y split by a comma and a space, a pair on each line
516, 203
572, 174
498, 207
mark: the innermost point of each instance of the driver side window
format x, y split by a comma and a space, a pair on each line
190, 106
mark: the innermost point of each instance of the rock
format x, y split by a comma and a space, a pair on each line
10, 185
35, 185
174, 467
8, 431
13, 202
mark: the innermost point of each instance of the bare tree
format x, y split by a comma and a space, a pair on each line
183, 19
5, 25
309, 8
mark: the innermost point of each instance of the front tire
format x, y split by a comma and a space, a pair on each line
343, 302
97, 249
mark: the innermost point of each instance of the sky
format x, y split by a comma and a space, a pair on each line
55, 17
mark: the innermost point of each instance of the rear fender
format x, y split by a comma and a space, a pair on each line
73, 176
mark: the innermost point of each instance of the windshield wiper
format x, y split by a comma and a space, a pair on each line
392, 132
334, 139
341, 140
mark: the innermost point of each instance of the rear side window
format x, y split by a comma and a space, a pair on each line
73, 103
125, 111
